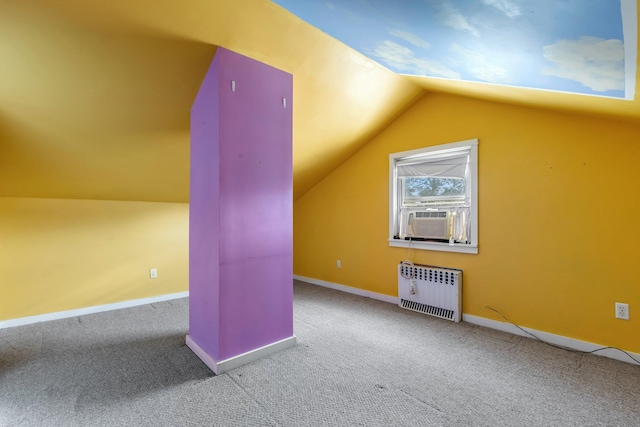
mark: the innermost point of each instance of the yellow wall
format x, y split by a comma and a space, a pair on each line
58, 254
558, 217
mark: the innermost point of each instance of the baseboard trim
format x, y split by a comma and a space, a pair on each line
88, 310
560, 340
220, 367
348, 289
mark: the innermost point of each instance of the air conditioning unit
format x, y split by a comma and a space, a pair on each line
426, 224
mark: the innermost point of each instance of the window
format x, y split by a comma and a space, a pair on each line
433, 198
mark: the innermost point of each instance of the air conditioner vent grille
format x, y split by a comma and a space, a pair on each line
442, 214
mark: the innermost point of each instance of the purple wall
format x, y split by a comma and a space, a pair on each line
204, 215
241, 251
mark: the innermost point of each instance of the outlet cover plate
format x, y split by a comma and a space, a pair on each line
622, 311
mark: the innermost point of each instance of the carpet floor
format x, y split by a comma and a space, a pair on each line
358, 362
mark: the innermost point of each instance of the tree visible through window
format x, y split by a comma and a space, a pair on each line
419, 187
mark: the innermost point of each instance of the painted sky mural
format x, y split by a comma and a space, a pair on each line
563, 45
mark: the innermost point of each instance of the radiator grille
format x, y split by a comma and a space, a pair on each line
431, 290
448, 277
427, 309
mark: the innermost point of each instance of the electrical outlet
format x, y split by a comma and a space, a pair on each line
339, 264
622, 311
153, 273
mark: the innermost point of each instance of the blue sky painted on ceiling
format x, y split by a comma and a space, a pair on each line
563, 45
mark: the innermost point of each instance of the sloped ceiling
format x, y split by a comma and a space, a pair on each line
95, 96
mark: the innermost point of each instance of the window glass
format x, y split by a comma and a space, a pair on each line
425, 188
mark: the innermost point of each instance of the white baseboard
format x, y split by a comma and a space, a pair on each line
88, 310
220, 367
560, 340
348, 289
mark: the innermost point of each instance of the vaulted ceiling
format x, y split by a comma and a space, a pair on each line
95, 96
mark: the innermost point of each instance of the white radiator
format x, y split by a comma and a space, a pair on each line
431, 290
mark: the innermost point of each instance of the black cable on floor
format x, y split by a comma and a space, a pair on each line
559, 346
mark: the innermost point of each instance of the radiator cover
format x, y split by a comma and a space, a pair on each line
438, 291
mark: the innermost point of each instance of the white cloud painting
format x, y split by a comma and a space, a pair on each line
563, 45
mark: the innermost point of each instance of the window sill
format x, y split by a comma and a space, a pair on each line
434, 246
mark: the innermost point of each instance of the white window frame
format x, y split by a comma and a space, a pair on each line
469, 248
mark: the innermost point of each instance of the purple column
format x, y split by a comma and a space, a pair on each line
240, 217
